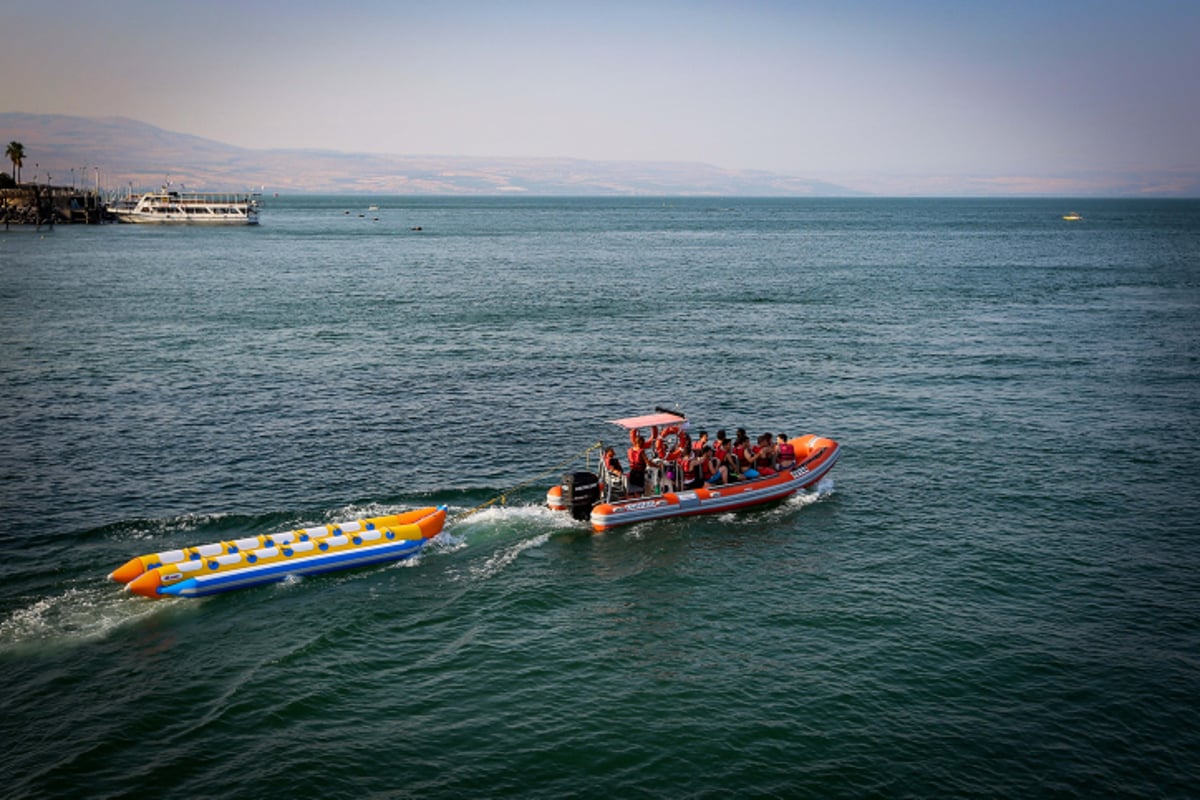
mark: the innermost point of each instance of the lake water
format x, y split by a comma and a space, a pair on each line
996, 594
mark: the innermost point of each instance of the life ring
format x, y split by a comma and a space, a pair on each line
667, 441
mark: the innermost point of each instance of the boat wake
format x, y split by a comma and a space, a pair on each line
502, 558
493, 528
91, 612
506, 518
75, 616
822, 490
802, 499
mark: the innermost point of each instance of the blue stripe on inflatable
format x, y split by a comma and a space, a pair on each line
203, 585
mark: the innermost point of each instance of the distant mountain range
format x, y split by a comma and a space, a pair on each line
69, 149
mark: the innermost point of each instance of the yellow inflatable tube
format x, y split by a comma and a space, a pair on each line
220, 566
140, 565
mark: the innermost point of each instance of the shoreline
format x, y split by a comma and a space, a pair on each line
40, 206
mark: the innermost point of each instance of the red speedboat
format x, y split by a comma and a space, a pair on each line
589, 497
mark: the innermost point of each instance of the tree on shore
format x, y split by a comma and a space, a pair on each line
15, 152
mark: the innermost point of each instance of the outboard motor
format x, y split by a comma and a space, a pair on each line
580, 491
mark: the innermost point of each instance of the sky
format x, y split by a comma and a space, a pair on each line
917, 97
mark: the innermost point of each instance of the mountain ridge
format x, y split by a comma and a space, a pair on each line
119, 152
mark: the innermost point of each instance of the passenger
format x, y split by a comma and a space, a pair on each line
721, 447
785, 453
768, 442
699, 468
676, 461
611, 472
636, 483
654, 468
743, 454
714, 470
701, 441
690, 470
722, 452
764, 455
737, 449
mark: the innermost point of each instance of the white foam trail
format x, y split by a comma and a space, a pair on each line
444, 542
496, 563
76, 615
504, 514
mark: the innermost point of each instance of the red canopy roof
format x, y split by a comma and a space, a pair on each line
630, 423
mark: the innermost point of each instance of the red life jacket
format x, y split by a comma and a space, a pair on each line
787, 453
636, 461
688, 464
744, 459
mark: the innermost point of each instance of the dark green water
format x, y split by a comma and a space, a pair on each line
996, 595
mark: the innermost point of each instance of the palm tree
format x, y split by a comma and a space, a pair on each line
15, 152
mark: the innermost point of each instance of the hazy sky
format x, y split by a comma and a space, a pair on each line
878, 95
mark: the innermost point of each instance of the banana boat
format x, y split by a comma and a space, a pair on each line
224, 566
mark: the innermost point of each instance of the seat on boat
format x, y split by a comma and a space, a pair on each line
615, 488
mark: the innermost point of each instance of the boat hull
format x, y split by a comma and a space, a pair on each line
185, 219
212, 569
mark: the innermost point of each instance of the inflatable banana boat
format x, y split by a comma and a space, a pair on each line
605, 502
224, 566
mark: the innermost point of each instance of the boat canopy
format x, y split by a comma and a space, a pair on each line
649, 420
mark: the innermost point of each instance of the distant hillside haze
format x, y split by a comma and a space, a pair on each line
120, 153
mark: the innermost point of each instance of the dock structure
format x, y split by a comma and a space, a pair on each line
41, 205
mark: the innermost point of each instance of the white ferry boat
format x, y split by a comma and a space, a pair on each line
198, 208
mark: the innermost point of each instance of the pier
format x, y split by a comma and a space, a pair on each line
41, 205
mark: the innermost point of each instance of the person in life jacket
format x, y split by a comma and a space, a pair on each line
725, 464
715, 469
636, 482
785, 453
743, 454
764, 455
691, 463
610, 471
705, 468
675, 462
